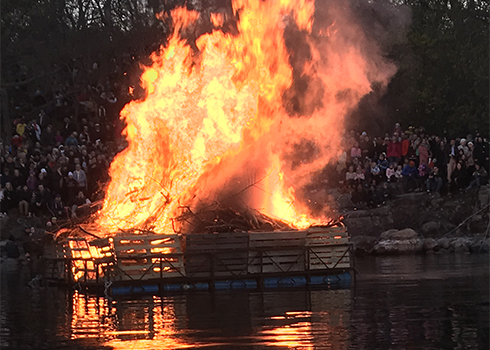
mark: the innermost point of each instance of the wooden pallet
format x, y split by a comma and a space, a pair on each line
147, 257
276, 252
56, 268
216, 254
328, 247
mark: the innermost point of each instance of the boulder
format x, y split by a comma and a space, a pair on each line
405, 234
387, 234
399, 246
431, 227
444, 243
460, 245
479, 246
430, 244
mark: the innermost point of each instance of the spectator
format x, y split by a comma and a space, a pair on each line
376, 175
70, 187
48, 137
356, 152
458, 177
478, 178
80, 177
463, 145
21, 127
409, 173
24, 197
452, 151
383, 163
58, 208
58, 138
32, 181
470, 161
390, 173
434, 181
405, 145
358, 196
360, 175
480, 153
80, 202
423, 152
394, 150
17, 180
71, 141
41, 201
350, 177
398, 173
8, 200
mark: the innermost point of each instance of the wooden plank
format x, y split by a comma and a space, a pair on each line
326, 235
211, 242
277, 239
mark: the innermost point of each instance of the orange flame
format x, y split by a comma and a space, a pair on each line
216, 113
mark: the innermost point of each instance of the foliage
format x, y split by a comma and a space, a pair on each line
443, 77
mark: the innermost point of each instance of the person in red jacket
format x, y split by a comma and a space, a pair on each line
394, 150
405, 145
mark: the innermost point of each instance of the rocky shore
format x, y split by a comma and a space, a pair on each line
408, 241
421, 223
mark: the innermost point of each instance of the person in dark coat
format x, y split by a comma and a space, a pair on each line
458, 178
58, 207
41, 201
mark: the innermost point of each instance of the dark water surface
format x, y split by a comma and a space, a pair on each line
407, 302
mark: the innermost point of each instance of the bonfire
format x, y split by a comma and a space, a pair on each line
243, 106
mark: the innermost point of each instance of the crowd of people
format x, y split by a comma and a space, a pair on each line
58, 158
413, 159
60, 152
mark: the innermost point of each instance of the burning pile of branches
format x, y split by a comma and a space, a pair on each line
218, 218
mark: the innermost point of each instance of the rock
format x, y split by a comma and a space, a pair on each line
430, 244
363, 244
410, 245
479, 246
431, 227
483, 195
442, 251
484, 248
460, 245
405, 234
399, 246
444, 243
387, 234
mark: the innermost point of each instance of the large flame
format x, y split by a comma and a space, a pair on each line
220, 111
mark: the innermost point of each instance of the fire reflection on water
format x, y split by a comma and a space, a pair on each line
129, 324
169, 322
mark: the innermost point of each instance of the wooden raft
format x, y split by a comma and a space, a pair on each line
204, 257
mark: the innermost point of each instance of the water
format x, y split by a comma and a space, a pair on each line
407, 302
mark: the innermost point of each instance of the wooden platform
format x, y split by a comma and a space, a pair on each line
208, 260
